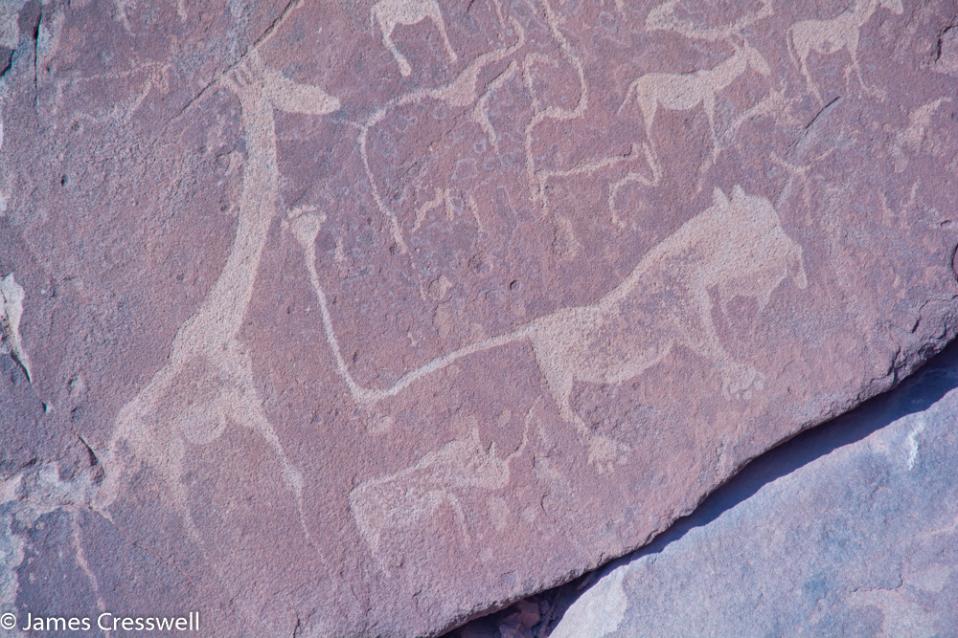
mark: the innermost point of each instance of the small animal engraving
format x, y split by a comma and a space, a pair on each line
390, 14
685, 91
408, 498
827, 37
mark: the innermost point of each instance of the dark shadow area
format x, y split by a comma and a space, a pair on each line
536, 616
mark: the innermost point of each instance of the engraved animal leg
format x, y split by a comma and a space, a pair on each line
852, 47
737, 378
802, 51
445, 497
558, 369
649, 105
387, 31
254, 417
630, 94
630, 177
708, 102
435, 14
559, 379
857, 69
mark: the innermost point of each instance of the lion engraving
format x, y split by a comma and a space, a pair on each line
735, 248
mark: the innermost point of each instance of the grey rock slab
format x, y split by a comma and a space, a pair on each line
850, 531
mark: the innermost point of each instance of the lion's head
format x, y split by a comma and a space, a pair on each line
750, 254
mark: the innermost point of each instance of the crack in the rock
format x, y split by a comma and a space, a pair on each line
822, 111
812, 125
941, 36
6, 61
290, 6
36, 60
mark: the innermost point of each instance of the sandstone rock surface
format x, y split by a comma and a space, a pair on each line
853, 532
357, 319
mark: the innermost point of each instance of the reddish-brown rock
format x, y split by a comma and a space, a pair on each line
353, 319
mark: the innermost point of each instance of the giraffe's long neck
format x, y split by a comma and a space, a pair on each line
221, 315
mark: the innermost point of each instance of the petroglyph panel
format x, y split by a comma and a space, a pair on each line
361, 318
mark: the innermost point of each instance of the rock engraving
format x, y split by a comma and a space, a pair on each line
390, 14
827, 37
683, 92
208, 381
736, 247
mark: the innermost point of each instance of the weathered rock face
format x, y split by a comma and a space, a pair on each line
355, 319
861, 539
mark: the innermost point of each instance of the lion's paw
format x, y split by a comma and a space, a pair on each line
605, 453
739, 381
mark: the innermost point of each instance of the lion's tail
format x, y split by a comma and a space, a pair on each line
437, 364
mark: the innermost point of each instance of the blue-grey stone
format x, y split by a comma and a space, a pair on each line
851, 530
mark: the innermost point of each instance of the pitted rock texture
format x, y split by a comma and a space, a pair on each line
859, 539
357, 319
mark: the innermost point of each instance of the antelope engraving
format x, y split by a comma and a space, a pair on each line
405, 499
664, 18
827, 37
390, 14
686, 91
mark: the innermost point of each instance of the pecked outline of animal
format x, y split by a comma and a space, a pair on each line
664, 18
389, 14
830, 36
406, 497
161, 415
685, 91
736, 246
459, 92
